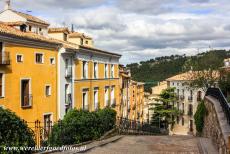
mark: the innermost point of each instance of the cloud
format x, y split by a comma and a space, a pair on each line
140, 30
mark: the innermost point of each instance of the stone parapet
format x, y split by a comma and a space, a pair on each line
216, 126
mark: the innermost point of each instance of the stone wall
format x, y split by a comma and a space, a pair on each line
216, 126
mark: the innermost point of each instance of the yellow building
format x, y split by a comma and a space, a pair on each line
96, 82
95, 75
28, 75
46, 72
132, 96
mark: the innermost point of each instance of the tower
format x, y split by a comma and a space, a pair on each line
7, 5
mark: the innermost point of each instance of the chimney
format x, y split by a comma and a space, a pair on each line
7, 5
72, 28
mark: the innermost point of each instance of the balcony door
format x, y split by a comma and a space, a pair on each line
1, 52
25, 93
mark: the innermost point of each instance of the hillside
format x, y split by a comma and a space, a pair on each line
160, 68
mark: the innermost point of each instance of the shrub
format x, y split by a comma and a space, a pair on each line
80, 126
14, 132
199, 117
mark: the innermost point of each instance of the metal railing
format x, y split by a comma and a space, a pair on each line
217, 93
190, 98
68, 72
181, 97
4, 58
26, 101
125, 125
113, 102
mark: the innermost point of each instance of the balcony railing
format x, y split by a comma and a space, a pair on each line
68, 72
68, 99
190, 113
5, 58
86, 107
190, 98
107, 103
26, 101
181, 97
217, 93
113, 103
96, 106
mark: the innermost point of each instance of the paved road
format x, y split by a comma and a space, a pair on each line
150, 144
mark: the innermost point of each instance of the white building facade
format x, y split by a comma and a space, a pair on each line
187, 102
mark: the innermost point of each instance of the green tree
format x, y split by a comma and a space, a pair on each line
165, 111
14, 132
199, 117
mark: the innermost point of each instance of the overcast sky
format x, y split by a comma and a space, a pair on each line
140, 29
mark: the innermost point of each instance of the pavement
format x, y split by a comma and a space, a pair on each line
150, 145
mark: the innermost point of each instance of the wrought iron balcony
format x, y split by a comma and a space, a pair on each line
86, 107
26, 101
5, 58
68, 72
113, 103
190, 98
181, 97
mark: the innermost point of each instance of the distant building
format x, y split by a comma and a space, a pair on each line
132, 96
187, 102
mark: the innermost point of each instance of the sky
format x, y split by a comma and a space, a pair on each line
140, 29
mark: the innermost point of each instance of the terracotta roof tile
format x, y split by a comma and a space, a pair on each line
31, 18
60, 29
4, 29
78, 34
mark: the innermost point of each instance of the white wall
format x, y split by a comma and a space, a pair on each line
10, 16
63, 81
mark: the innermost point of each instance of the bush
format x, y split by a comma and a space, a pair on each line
199, 117
14, 132
80, 126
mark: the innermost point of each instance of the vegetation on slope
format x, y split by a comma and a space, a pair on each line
161, 68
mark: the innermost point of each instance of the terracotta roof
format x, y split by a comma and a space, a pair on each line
179, 77
31, 18
191, 75
99, 50
4, 29
60, 29
78, 34
18, 23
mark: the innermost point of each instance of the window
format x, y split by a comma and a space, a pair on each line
1, 85
30, 28
96, 103
106, 96
182, 121
65, 37
85, 99
113, 99
26, 97
47, 124
95, 70
39, 58
112, 71
40, 29
48, 90
19, 58
81, 41
86, 42
52, 61
106, 70
84, 70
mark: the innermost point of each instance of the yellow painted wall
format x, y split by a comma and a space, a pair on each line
40, 75
91, 83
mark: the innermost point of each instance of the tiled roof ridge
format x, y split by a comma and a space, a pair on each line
30, 17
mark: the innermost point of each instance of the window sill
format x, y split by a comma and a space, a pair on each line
26, 107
